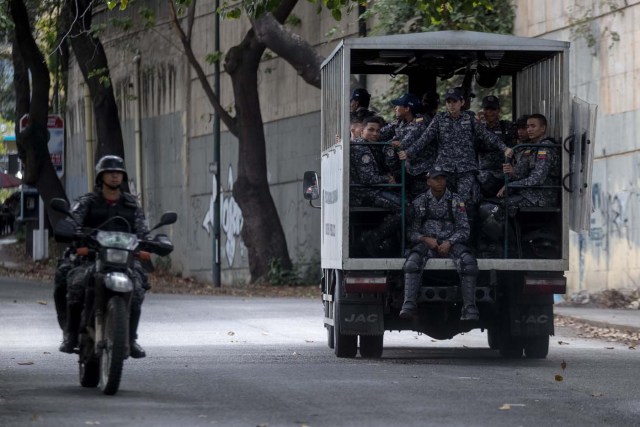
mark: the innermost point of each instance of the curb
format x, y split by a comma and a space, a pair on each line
600, 324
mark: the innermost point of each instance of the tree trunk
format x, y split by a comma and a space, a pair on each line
93, 64
38, 169
262, 230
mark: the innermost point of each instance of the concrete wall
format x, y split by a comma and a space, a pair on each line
177, 134
605, 74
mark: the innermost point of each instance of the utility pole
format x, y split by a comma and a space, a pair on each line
216, 158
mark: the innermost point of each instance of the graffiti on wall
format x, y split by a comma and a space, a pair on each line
611, 216
231, 219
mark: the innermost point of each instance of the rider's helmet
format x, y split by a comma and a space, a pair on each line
110, 163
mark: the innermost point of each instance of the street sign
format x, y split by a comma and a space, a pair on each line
55, 125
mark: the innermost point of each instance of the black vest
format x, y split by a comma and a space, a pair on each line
99, 211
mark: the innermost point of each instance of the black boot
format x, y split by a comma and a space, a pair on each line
70, 336
469, 309
412, 283
135, 350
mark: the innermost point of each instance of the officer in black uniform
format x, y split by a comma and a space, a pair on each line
439, 229
359, 104
93, 210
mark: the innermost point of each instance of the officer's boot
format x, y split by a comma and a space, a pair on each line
70, 337
412, 283
135, 350
469, 309
60, 299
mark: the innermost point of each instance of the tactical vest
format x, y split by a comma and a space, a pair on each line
99, 211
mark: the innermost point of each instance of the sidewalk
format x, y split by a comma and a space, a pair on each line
7, 259
603, 317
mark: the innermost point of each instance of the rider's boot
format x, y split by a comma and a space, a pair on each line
70, 337
135, 350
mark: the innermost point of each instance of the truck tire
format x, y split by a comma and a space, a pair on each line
371, 346
536, 347
510, 347
493, 338
344, 345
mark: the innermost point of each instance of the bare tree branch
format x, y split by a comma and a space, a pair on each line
229, 121
289, 46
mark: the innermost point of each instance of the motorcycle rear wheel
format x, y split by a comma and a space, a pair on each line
115, 350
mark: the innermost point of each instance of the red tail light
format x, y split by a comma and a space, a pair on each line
362, 284
544, 285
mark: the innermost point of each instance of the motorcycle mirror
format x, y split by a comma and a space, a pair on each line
64, 231
168, 218
60, 205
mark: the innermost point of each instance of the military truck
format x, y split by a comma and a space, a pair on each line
362, 296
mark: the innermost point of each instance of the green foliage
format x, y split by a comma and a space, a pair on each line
102, 75
148, 17
410, 16
304, 272
212, 58
113, 3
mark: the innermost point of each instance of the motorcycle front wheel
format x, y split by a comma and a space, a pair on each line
89, 364
115, 348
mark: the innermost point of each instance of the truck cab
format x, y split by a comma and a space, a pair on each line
362, 295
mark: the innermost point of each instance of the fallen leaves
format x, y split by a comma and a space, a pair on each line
559, 378
25, 363
610, 334
41, 302
563, 365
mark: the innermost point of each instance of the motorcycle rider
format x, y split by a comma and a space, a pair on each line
92, 210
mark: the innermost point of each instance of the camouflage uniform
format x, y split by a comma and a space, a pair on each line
490, 175
444, 219
536, 166
365, 171
456, 150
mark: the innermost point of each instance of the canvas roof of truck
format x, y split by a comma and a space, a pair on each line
433, 51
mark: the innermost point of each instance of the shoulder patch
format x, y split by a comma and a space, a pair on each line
366, 159
462, 207
542, 154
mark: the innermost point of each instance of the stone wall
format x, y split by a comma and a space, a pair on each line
177, 136
605, 68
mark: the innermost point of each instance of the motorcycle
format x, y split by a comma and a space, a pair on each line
104, 337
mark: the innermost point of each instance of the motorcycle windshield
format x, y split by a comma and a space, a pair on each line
117, 239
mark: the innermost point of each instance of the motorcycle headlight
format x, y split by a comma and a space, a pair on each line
117, 256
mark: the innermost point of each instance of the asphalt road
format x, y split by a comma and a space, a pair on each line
264, 362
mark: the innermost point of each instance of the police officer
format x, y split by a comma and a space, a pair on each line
403, 132
490, 175
439, 229
366, 172
456, 133
93, 210
536, 166
359, 104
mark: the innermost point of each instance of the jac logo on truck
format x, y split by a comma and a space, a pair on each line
371, 318
533, 319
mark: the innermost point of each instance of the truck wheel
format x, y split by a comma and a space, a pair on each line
536, 347
371, 346
511, 347
344, 345
493, 338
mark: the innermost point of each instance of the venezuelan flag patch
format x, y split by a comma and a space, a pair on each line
542, 154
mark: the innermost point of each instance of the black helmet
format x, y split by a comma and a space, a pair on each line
110, 163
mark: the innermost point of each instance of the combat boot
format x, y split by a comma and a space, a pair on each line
411, 289
70, 336
135, 350
468, 289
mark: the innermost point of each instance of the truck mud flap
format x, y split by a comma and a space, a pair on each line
531, 320
361, 319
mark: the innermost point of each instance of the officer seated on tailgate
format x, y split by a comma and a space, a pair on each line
536, 166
